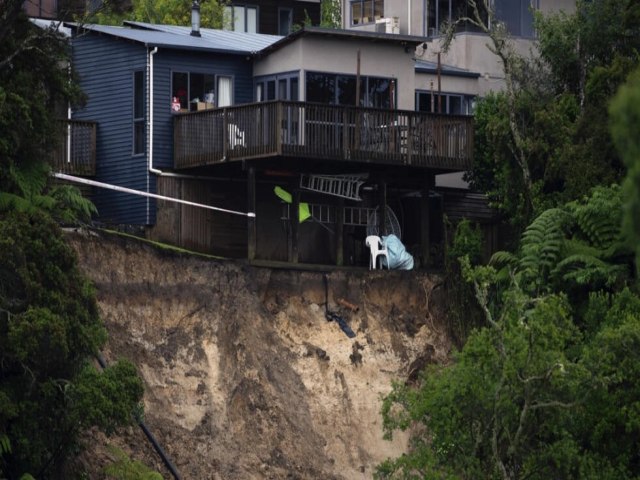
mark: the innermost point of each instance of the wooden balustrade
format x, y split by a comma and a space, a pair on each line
75, 152
305, 130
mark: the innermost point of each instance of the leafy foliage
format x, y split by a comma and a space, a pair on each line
49, 328
330, 14
124, 468
557, 106
548, 388
168, 12
625, 117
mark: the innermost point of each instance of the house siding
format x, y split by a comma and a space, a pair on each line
168, 61
105, 66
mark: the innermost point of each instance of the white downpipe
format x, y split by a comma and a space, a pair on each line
157, 171
117, 188
150, 54
409, 30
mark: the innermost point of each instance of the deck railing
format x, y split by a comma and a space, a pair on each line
76, 150
306, 130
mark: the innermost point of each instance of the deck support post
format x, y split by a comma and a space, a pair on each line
251, 221
382, 207
340, 232
425, 218
294, 218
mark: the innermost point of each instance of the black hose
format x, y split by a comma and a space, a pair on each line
156, 446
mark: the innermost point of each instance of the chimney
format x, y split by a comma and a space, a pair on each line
195, 18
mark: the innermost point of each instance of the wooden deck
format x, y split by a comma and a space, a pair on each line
304, 130
75, 153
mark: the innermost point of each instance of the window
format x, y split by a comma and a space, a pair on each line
366, 11
138, 113
277, 87
193, 91
451, 103
517, 16
285, 18
333, 89
241, 18
441, 11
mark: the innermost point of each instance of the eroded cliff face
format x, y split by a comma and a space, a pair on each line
244, 377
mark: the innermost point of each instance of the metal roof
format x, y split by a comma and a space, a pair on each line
241, 41
423, 66
174, 37
407, 40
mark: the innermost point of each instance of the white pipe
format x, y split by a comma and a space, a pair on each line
69, 118
409, 31
150, 54
108, 186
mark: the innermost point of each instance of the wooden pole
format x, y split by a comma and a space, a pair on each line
294, 218
382, 207
439, 85
251, 221
425, 218
340, 232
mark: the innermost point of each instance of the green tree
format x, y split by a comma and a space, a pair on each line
49, 324
625, 117
34, 86
550, 125
168, 12
49, 330
330, 14
545, 390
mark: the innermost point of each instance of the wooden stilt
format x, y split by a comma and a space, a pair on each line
382, 207
340, 232
251, 221
425, 218
294, 218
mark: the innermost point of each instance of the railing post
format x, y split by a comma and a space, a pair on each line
411, 125
278, 128
225, 134
345, 134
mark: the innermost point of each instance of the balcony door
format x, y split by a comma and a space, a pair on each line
284, 87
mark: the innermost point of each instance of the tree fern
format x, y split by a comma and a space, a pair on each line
541, 245
599, 218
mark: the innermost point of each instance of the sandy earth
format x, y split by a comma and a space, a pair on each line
244, 377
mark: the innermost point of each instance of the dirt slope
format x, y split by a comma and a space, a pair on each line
244, 377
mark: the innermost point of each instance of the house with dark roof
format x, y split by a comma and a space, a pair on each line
276, 149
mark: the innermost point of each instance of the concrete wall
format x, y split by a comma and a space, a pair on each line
339, 55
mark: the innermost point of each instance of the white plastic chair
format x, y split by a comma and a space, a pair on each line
377, 248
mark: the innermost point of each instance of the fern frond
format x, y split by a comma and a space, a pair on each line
600, 218
589, 270
542, 244
502, 259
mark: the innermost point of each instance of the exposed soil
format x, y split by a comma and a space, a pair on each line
244, 376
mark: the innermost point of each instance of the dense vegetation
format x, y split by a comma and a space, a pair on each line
548, 386
50, 330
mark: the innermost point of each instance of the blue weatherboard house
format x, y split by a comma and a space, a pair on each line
221, 118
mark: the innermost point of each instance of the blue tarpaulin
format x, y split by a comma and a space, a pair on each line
399, 258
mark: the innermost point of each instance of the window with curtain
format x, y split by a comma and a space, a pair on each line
192, 91
225, 91
139, 142
241, 18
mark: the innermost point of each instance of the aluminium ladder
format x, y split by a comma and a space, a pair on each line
345, 186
